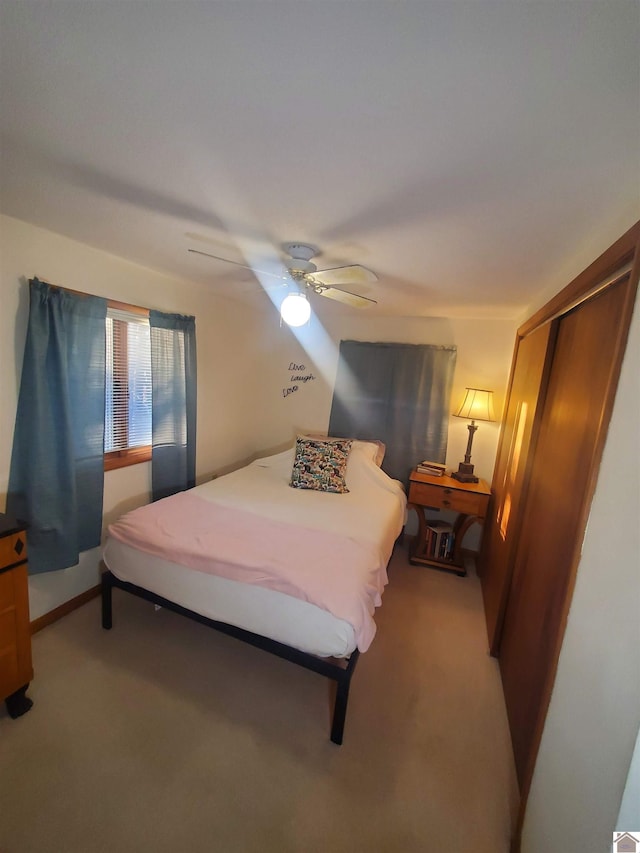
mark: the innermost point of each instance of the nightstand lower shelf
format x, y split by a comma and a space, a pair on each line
441, 565
418, 554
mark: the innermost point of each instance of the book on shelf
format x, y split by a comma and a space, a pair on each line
436, 469
439, 540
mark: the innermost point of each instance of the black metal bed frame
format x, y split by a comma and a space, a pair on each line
337, 670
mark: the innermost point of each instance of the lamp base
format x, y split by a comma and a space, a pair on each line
465, 473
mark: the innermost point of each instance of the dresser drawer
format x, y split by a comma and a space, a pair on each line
439, 497
13, 549
9, 663
7, 591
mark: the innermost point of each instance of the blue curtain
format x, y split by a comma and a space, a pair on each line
57, 469
173, 376
398, 393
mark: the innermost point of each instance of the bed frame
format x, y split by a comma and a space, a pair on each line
336, 669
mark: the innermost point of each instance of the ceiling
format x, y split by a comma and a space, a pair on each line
472, 154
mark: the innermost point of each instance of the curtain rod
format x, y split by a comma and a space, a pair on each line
112, 303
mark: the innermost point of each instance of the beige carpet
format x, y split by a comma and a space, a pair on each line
163, 735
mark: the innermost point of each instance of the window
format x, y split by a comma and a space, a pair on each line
397, 393
127, 436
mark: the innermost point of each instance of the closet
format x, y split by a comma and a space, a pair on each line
563, 381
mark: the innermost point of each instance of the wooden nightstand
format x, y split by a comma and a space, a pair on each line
442, 548
16, 670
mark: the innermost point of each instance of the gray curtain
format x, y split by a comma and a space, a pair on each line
57, 469
398, 393
174, 377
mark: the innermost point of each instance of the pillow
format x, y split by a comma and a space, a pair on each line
375, 449
320, 464
371, 446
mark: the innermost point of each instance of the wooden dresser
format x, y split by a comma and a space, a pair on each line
16, 670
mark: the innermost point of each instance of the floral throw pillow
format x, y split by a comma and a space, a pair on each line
321, 465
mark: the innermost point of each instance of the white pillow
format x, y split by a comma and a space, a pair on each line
374, 450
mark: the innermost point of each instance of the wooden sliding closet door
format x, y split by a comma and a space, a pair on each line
581, 385
532, 360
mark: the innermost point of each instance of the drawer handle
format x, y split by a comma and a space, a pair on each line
447, 491
446, 503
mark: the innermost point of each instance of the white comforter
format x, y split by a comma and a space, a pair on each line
372, 512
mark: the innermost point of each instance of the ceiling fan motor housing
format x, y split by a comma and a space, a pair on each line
300, 268
300, 251
300, 258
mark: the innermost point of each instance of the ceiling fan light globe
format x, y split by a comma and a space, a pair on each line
295, 309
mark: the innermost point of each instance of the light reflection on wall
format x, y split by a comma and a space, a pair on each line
317, 344
511, 470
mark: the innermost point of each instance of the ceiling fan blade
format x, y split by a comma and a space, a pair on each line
345, 297
351, 274
235, 263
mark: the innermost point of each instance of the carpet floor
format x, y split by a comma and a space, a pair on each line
163, 735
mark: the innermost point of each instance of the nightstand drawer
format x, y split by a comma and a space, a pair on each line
439, 497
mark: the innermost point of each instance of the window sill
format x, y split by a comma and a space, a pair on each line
123, 458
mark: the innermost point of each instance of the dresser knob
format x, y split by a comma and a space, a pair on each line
446, 503
447, 491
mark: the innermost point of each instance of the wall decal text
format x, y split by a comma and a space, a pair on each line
298, 375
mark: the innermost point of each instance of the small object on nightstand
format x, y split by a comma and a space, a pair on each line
439, 544
434, 468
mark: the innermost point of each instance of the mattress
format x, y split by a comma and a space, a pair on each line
262, 611
370, 516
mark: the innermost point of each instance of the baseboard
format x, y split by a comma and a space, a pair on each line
64, 609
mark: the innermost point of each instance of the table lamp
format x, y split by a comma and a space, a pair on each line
476, 406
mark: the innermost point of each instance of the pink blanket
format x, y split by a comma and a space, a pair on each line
335, 573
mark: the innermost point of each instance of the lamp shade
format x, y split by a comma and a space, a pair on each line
477, 405
295, 309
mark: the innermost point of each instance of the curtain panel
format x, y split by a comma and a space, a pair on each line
398, 393
174, 380
57, 471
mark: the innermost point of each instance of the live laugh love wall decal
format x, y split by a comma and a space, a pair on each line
298, 378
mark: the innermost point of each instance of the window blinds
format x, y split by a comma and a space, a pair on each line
128, 381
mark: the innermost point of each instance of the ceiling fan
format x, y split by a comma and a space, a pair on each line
327, 282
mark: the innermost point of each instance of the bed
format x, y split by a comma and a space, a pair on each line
288, 554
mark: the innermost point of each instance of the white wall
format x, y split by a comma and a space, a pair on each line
227, 381
483, 360
629, 814
594, 715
